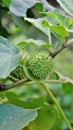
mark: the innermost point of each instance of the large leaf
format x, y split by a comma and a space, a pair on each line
13, 117
9, 56
46, 118
44, 25
67, 5
19, 8
38, 24
33, 33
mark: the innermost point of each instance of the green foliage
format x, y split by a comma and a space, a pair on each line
26, 61
9, 56
67, 6
46, 118
13, 117
24, 5
7, 3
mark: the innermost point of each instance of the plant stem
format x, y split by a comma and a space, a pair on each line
51, 81
65, 45
57, 104
13, 85
27, 81
49, 35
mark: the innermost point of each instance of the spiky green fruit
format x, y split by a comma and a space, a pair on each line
18, 73
38, 66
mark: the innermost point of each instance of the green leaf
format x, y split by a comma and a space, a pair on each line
46, 118
67, 5
9, 56
7, 2
57, 17
38, 24
29, 45
68, 88
29, 42
33, 33
13, 117
20, 8
33, 103
58, 30
58, 121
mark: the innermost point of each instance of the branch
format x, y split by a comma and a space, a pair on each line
27, 81
51, 81
65, 45
17, 83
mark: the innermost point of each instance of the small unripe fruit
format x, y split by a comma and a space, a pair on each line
38, 66
18, 73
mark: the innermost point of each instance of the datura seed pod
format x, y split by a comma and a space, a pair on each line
18, 73
38, 66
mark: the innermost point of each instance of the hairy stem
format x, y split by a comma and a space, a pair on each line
57, 105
